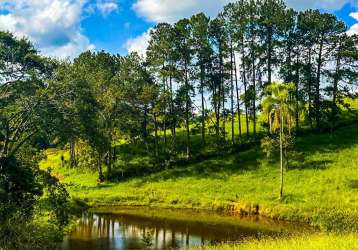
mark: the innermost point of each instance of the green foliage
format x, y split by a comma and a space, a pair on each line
19, 233
19, 188
268, 146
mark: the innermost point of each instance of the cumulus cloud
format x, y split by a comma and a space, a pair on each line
172, 10
53, 25
138, 44
354, 28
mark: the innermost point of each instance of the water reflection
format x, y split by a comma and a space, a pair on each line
129, 231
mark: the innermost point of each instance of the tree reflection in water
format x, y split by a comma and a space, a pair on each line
129, 232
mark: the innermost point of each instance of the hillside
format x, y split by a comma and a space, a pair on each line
320, 184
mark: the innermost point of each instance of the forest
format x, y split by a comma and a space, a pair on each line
262, 93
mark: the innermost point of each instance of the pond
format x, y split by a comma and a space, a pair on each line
147, 228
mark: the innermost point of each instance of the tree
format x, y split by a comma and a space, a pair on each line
280, 110
98, 71
27, 112
201, 46
229, 15
241, 21
345, 55
219, 43
319, 28
183, 51
24, 104
253, 51
161, 64
271, 21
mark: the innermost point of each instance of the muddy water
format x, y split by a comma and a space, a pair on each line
145, 228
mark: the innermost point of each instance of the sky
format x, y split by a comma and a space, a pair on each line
65, 28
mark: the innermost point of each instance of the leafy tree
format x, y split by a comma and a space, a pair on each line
24, 105
27, 112
98, 71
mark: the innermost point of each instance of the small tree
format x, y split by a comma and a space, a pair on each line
279, 109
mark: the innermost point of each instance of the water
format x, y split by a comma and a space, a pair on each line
145, 228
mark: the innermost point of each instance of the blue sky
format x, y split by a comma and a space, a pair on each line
65, 28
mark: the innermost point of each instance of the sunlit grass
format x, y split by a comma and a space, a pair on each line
321, 183
313, 242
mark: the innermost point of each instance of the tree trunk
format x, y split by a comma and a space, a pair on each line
245, 87
171, 103
334, 91
222, 89
269, 55
202, 75
281, 155
109, 163
254, 88
232, 94
155, 134
145, 121
317, 90
310, 112
237, 99
297, 80
99, 166
187, 103
164, 113
216, 100
73, 153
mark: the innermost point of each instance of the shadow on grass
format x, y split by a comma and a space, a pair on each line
353, 184
218, 168
247, 157
309, 164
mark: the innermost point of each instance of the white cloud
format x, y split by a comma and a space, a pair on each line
53, 25
319, 4
107, 7
172, 10
139, 44
354, 28
354, 15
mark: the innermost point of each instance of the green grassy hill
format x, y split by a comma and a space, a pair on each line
321, 183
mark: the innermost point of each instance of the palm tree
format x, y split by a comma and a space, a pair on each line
280, 110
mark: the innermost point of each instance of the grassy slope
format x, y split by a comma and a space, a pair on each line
321, 184
315, 242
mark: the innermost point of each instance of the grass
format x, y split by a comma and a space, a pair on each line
313, 242
321, 182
